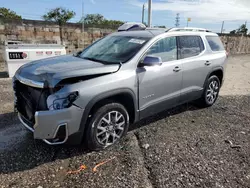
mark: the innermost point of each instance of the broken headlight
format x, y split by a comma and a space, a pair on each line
61, 100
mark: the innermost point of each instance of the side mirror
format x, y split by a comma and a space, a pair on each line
151, 61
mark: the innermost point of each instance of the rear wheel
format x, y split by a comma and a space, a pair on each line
211, 92
107, 126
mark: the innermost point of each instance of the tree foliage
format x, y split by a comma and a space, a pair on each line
59, 15
9, 14
241, 30
98, 19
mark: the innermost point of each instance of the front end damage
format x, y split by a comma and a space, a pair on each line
53, 123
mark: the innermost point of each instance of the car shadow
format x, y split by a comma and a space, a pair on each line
164, 114
20, 152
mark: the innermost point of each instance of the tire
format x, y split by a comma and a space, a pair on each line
107, 126
212, 87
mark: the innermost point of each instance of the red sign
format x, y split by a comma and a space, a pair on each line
24, 55
39, 53
49, 52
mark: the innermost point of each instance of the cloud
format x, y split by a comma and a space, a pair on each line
203, 10
93, 2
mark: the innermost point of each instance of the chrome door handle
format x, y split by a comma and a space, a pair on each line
177, 69
207, 63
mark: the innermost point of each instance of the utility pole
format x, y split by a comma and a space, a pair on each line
222, 27
246, 23
83, 24
149, 13
143, 9
177, 20
82, 16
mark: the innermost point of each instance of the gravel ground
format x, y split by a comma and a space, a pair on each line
184, 147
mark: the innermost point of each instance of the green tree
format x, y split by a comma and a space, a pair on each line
9, 14
94, 19
233, 32
61, 16
99, 20
241, 30
161, 26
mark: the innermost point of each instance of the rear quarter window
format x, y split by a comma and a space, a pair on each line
215, 43
190, 46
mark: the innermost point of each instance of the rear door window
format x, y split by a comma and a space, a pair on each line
190, 46
215, 43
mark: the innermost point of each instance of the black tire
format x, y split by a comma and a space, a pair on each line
204, 100
92, 140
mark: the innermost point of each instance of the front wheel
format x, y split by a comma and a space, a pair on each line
211, 92
107, 126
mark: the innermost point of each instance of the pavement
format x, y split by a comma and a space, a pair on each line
183, 147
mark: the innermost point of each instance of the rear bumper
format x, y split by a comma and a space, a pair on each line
55, 127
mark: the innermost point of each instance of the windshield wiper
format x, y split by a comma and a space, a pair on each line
96, 60
101, 61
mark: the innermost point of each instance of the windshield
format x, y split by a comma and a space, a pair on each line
114, 49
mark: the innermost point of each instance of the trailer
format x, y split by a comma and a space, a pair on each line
17, 54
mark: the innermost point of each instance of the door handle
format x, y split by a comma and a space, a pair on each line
177, 69
207, 63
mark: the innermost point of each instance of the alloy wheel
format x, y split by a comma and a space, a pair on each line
110, 128
212, 91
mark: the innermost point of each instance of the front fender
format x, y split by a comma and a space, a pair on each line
105, 95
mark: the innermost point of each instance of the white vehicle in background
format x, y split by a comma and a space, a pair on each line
17, 54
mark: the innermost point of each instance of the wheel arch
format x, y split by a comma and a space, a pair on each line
217, 72
124, 96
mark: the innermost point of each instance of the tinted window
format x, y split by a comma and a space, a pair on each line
215, 43
165, 48
190, 46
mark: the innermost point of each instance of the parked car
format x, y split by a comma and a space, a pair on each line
94, 96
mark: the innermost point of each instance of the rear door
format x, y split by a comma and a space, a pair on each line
196, 66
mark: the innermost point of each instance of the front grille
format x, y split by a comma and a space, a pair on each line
29, 100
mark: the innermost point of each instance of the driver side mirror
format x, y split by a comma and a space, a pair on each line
151, 61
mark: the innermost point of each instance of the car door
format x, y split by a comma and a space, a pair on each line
160, 86
196, 65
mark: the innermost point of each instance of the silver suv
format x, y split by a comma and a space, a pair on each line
95, 95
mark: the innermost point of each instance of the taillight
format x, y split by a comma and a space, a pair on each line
227, 53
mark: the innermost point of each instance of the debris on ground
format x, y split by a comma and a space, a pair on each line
102, 163
82, 167
232, 145
145, 146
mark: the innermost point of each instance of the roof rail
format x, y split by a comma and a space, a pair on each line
188, 29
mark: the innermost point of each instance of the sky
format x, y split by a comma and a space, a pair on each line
207, 14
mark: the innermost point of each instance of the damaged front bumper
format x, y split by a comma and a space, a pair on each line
54, 127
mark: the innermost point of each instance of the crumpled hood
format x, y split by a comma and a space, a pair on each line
53, 70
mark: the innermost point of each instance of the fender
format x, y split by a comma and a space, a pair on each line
103, 96
213, 70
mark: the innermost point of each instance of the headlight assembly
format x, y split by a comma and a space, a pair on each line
61, 100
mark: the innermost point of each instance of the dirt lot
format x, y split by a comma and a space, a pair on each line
184, 147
